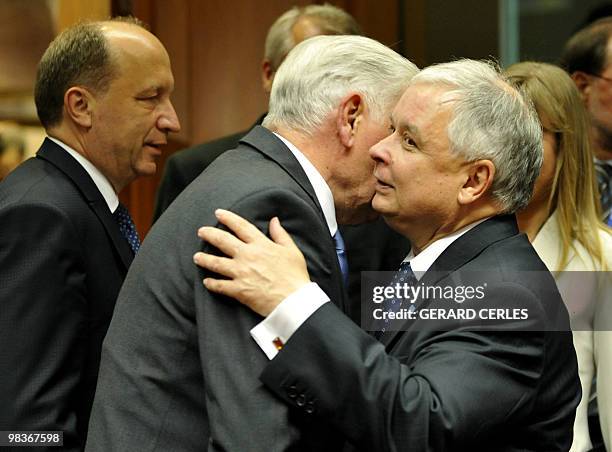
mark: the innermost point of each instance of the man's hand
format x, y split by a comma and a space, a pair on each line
261, 272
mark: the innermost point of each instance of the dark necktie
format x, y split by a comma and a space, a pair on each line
603, 171
341, 253
127, 228
404, 275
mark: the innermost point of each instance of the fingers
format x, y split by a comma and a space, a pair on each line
221, 286
244, 230
223, 240
279, 234
216, 264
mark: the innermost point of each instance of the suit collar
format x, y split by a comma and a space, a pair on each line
265, 142
463, 250
470, 245
64, 162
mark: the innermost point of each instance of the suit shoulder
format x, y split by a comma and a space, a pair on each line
39, 182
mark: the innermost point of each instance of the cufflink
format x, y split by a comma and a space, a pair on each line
278, 343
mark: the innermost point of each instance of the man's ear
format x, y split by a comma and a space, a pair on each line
78, 103
267, 75
479, 179
350, 114
583, 83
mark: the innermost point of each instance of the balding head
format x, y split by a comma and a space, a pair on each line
81, 55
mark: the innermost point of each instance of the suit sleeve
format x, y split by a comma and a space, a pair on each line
440, 394
42, 321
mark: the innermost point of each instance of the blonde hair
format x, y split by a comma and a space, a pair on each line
574, 193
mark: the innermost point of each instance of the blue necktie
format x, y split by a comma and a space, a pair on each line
404, 275
127, 228
341, 253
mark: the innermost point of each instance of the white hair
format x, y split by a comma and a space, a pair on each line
320, 71
494, 121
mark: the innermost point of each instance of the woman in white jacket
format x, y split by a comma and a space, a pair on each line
563, 223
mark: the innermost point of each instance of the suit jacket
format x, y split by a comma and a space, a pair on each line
459, 388
179, 369
369, 247
62, 261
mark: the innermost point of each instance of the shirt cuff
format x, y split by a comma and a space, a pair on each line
276, 329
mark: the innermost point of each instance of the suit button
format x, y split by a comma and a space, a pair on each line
301, 400
310, 408
292, 392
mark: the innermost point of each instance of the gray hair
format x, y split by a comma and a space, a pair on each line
330, 20
494, 121
319, 71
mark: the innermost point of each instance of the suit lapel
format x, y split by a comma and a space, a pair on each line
63, 161
462, 251
272, 147
265, 142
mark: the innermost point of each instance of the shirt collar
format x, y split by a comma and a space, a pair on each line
422, 261
322, 191
101, 182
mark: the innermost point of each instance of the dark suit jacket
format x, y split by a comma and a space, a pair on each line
179, 369
369, 247
463, 388
62, 262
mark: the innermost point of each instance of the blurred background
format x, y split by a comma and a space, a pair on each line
216, 47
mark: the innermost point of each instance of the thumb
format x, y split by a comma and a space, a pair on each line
280, 235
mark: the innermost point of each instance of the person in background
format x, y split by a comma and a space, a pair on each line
562, 222
370, 246
12, 151
587, 57
103, 95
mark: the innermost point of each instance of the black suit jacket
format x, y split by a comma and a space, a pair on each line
62, 262
179, 369
461, 387
369, 247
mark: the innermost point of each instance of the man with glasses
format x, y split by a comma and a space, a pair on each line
587, 57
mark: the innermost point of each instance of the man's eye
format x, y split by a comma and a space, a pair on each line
409, 141
391, 129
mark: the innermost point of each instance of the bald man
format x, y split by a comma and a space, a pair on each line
103, 95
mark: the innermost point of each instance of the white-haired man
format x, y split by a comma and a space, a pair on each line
463, 156
179, 369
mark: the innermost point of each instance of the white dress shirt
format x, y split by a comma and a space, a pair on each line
99, 179
294, 310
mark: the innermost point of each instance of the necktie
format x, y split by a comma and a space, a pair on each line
127, 228
603, 171
341, 253
403, 276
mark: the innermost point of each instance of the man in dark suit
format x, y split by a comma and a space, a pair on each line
463, 157
102, 94
179, 370
369, 246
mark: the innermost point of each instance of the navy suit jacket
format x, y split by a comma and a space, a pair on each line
62, 263
454, 386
